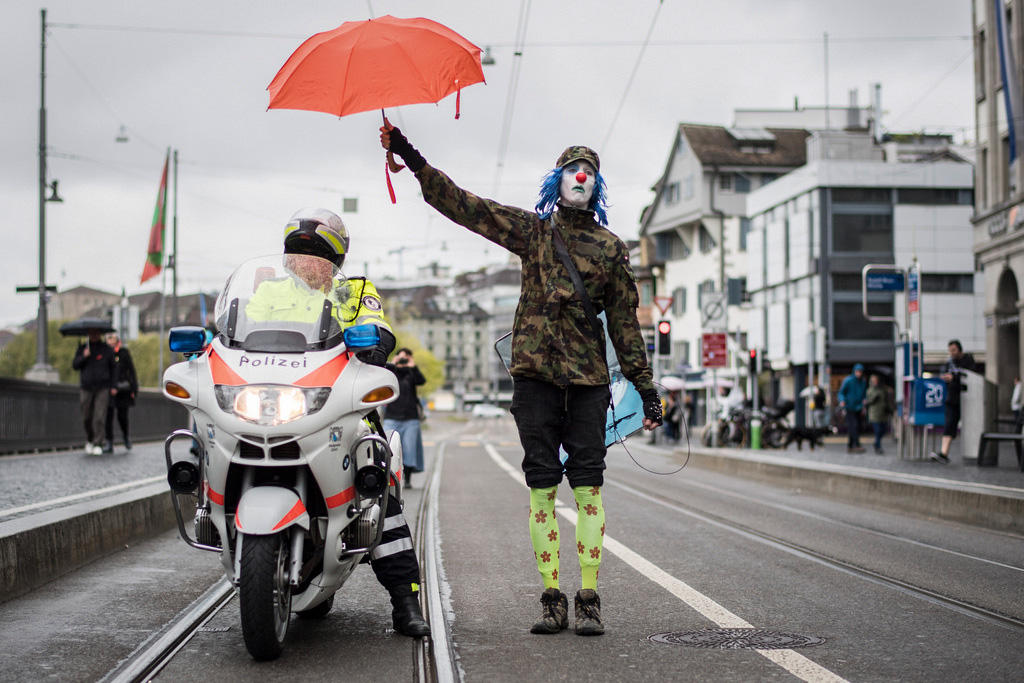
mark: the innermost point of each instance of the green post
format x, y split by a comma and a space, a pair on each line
755, 434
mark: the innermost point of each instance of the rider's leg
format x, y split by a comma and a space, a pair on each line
394, 562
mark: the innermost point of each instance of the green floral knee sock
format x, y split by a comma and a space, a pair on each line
589, 533
544, 533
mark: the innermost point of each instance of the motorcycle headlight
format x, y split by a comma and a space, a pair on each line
269, 405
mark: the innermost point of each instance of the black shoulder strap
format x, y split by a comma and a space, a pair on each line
577, 281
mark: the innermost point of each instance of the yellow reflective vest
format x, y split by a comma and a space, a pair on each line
356, 302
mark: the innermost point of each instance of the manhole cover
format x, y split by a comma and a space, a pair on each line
737, 639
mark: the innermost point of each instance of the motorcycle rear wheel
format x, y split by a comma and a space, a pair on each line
264, 595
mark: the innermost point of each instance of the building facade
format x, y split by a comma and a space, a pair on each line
854, 203
999, 181
694, 234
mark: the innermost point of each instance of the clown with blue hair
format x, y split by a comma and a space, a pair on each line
560, 375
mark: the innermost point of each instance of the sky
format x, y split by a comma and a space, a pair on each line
619, 77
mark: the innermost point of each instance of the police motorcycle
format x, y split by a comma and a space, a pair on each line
287, 471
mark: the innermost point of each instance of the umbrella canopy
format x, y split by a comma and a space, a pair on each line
82, 326
383, 62
672, 383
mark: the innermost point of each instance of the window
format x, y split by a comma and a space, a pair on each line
948, 283
679, 301
850, 324
669, 246
983, 178
870, 232
742, 183
744, 231
846, 282
646, 293
979, 67
672, 193
725, 182
702, 288
768, 177
681, 352
1004, 171
933, 195
706, 241
861, 195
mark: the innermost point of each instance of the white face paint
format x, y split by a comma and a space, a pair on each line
577, 187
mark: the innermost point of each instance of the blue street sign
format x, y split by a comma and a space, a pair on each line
884, 281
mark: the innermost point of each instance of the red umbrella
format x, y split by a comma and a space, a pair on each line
383, 62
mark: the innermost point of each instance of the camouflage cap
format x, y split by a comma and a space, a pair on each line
576, 153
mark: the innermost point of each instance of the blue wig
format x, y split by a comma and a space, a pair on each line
550, 192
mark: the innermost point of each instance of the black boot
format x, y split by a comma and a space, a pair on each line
407, 617
407, 474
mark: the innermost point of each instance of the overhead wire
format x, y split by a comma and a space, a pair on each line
510, 95
632, 75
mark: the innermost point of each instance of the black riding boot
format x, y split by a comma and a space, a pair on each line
407, 617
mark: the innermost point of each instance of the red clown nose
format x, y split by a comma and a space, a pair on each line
581, 177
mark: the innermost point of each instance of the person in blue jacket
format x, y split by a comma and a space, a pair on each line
851, 398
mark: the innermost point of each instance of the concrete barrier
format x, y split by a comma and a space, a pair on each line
984, 505
39, 548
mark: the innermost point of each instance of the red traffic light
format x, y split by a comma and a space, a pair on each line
753, 354
664, 327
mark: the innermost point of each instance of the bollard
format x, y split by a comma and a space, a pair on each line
755, 433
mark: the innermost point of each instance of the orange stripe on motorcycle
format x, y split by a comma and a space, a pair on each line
222, 374
326, 374
297, 511
341, 498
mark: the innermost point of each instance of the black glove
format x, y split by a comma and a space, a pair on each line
652, 405
410, 155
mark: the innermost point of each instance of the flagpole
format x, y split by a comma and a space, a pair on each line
174, 247
160, 339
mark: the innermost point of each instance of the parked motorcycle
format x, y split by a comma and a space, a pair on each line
775, 425
289, 472
732, 425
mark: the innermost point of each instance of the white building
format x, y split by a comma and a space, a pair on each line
694, 233
855, 203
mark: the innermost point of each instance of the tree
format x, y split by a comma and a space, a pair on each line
20, 354
431, 367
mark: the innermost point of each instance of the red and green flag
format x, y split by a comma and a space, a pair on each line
155, 250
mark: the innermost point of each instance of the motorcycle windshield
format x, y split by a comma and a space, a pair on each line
282, 303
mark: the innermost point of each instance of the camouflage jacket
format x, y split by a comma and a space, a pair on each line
552, 338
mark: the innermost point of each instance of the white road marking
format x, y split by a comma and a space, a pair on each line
793, 662
79, 496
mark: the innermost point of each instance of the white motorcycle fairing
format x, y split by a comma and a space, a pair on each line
282, 423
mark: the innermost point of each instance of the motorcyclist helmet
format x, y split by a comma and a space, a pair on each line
317, 232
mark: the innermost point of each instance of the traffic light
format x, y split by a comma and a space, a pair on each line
754, 365
664, 338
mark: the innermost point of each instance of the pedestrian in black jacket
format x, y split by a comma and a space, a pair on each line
95, 361
403, 414
126, 385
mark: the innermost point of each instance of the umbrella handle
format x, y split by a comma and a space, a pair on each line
387, 177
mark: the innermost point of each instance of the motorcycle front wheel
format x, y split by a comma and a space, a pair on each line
264, 595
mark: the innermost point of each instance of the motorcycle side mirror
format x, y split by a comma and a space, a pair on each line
187, 339
360, 337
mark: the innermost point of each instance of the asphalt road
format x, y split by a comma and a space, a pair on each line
686, 552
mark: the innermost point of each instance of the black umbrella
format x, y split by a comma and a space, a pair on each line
82, 326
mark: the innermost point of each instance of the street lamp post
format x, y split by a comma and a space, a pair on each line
42, 370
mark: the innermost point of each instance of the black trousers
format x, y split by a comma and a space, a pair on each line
394, 560
120, 407
549, 416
